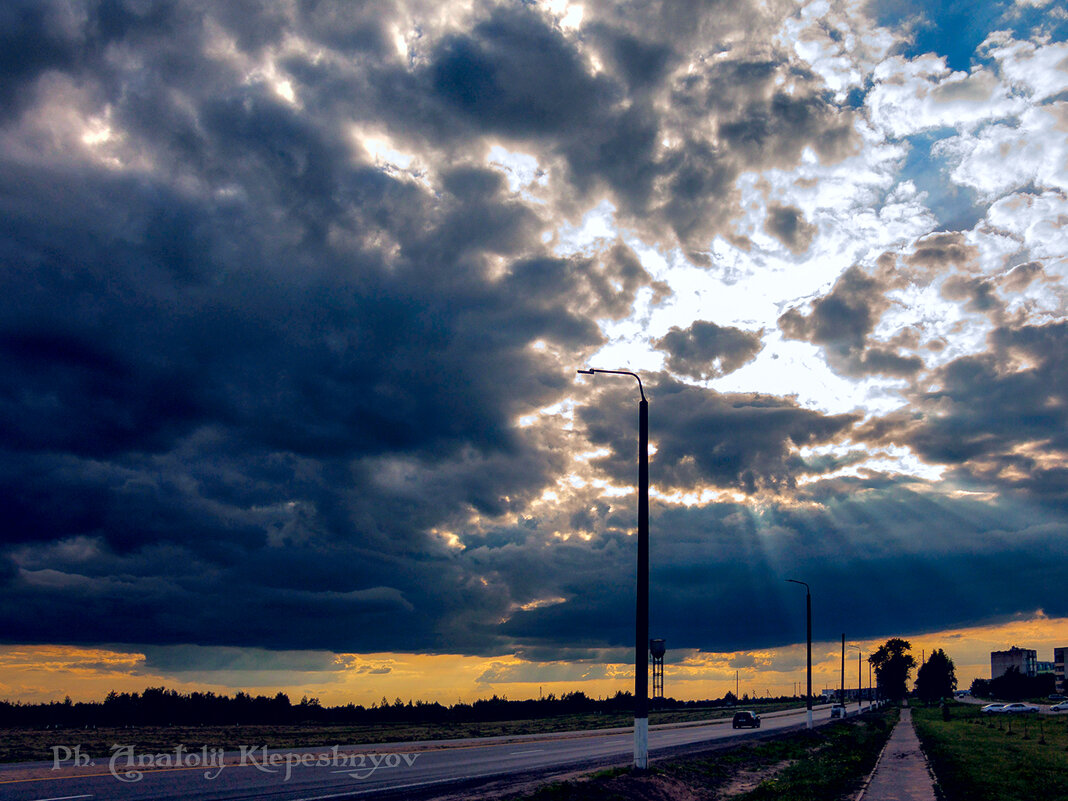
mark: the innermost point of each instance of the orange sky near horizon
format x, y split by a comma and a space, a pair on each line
41, 673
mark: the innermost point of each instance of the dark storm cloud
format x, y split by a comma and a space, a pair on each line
842, 321
641, 62
251, 380
844, 317
641, 129
186, 658
940, 251
978, 293
731, 440
31, 40
704, 349
788, 225
309, 354
988, 294
998, 419
871, 554
514, 73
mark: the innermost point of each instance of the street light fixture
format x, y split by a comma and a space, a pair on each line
641, 616
808, 627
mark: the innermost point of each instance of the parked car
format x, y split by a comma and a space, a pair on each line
746, 719
991, 709
1061, 707
1055, 697
1018, 708
838, 711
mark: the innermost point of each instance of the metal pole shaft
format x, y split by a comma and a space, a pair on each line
641, 634
842, 697
808, 622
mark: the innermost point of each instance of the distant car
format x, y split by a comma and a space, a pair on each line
991, 709
1057, 697
746, 720
838, 711
1017, 708
1061, 707
961, 693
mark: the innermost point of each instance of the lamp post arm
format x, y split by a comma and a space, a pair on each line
592, 370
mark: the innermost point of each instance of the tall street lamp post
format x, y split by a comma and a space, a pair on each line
841, 693
641, 617
860, 676
808, 628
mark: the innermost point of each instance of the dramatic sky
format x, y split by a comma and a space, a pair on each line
293, 295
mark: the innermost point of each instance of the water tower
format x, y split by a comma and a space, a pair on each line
657, 649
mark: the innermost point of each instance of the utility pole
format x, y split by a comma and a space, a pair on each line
808, 637
842, 691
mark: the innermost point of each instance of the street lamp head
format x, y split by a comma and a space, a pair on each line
592, 371
804, 584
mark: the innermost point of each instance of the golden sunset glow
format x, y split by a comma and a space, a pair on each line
50, 673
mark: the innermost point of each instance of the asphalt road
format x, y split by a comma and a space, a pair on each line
407, 770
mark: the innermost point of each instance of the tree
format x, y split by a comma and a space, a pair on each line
936, 678
893, 663
1013, 685
980, 688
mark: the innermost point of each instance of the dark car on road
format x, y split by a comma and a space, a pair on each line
746, 720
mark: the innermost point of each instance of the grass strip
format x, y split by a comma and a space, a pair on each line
825, 764
994, 758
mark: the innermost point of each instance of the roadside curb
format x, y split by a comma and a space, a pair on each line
930, 771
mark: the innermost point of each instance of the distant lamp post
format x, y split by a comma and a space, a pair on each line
808, 628
860, 676
641, 617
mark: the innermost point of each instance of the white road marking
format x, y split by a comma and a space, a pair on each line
394, 787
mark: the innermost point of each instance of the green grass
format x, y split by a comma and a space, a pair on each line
993, 758
825, 764
836, 768
25, 745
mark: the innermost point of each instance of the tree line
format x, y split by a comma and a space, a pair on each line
158, 706
1015, 686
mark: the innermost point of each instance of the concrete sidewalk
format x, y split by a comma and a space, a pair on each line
902, 773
